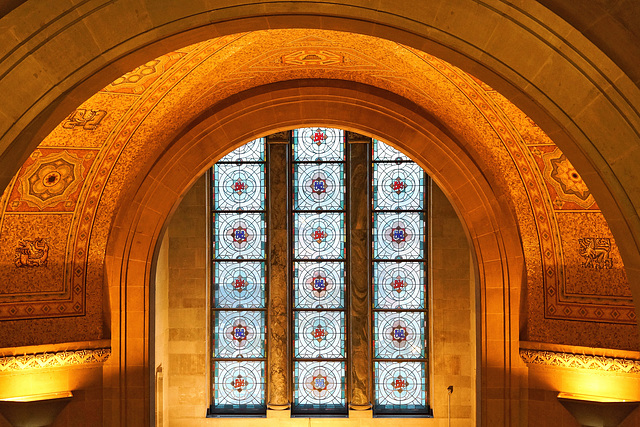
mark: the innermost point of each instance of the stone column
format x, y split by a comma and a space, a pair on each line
278, 367
359, 273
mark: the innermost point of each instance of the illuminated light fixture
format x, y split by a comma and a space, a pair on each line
595, 411
39, 410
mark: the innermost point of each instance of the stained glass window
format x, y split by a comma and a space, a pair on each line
239, 282
399, 283
394, 228
319, 244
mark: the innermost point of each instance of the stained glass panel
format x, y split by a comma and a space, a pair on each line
238, 385
239, 235
398, 285
398, 186
239, 284
400, 386
398, 235
252, 151
399, 335
319, 386
318, 186
239, 334
238, 187
319, 236
318, 144
318, 284
319, 334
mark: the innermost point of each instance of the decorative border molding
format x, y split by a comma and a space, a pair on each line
580, 361
54, 360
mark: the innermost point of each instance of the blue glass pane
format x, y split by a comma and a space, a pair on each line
238, 385
238, 187
319, 334
239, 235
398, 235
252, 151
400, 386
318, 284
399, 335
398, 186
319, 386
319, 236
238, 284
398, 285
382, 151
239, 334
318, 186
323, 144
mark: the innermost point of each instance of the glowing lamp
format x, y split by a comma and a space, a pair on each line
39, 410
595, 411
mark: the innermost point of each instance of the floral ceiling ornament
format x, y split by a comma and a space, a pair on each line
51, 179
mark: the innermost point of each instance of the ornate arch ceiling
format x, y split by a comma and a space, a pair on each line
57, 212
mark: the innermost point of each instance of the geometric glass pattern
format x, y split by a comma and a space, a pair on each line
398, 335
238, 334
398, 285
237, 386
319, 236
319, 334
319, 386
318, 285
400, 387
318, 288
239, 284
399, 280
238, 200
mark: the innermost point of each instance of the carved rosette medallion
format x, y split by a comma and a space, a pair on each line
567, 182
51, 179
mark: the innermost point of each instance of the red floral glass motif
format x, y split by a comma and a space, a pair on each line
239, 284
319, 137
399, 384
319, 333
399, 284
239, 187
319, 235
398, 185
239, 383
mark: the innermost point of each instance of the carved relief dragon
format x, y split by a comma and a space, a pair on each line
595, 251
32, 253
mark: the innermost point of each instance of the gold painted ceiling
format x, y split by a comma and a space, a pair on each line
58, 210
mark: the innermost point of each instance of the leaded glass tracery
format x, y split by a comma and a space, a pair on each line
319, 262
319, 244
399, 254
239, 281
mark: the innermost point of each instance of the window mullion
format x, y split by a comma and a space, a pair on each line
359, 277
278, 372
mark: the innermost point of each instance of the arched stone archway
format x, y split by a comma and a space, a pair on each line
488, 219
578, 95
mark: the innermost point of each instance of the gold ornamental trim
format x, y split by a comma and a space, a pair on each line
580, 361
54, 360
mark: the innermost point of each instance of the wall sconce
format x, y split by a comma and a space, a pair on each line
594, 411
38, 410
